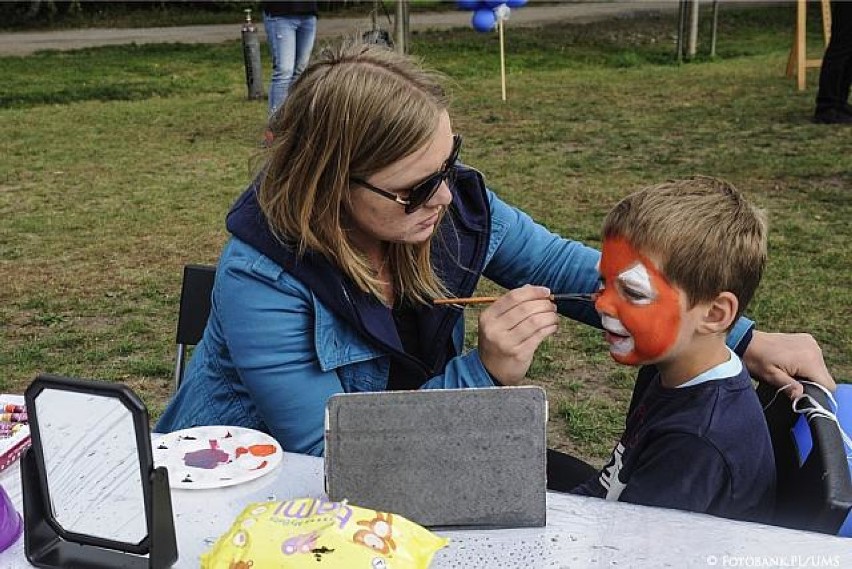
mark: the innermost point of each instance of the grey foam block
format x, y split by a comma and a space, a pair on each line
441, 458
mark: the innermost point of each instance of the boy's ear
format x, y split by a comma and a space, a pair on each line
721, 312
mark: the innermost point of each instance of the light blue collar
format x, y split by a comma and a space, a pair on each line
724, 370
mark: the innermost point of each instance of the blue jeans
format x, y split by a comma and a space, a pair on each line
290, 40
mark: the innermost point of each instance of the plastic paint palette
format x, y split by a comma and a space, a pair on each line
216, 456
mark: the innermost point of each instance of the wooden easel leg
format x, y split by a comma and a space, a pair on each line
826, 21
792, 58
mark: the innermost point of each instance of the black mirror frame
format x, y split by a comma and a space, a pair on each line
46, 542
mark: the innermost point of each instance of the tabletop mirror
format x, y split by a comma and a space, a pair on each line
92, 498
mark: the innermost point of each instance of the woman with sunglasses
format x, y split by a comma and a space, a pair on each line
361, 217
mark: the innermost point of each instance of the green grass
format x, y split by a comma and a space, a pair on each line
117, 166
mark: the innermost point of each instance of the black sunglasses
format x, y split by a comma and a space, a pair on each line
422, 192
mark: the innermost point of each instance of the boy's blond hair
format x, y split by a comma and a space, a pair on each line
706, 236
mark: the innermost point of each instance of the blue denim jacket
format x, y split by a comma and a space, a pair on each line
273, 352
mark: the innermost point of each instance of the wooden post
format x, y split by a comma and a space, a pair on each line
502, 60
798, 62
826, 21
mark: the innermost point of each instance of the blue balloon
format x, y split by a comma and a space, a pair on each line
483, 20
494, 3
467, 4
516, 3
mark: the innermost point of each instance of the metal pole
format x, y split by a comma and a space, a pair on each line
251, 58
681, 27
400, 25
406, 28
692, 42
715, 28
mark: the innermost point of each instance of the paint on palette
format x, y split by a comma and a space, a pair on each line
206, 458
215, 457
256, 450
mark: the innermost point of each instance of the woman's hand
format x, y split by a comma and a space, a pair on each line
511, 329
778, 359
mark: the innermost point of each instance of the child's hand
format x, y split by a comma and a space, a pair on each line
777, 359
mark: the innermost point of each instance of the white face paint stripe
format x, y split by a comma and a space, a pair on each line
622, 346
613, 325
619, 346
637, 279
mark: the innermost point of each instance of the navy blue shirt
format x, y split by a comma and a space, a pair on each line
704, 448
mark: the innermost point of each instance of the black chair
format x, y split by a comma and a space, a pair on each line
814, 494
194, 309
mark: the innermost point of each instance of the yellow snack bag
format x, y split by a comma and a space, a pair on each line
298, 533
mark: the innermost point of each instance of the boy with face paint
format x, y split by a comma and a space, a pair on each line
680, 262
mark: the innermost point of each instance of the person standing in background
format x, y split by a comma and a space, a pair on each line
835, 77
291, 28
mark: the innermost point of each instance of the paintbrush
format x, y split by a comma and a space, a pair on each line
580, 297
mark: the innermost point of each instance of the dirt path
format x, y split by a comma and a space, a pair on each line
25, 43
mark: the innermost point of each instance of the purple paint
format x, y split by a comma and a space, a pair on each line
207, 458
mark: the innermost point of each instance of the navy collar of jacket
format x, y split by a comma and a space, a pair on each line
458, 255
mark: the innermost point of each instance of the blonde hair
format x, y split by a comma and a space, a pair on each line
354, 111
708, 238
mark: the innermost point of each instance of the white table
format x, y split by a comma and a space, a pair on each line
581, 532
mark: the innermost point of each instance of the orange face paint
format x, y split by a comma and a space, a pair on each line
639, 308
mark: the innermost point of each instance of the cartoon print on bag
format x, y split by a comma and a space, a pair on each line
379, 535
302, 543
